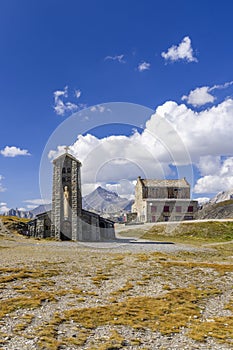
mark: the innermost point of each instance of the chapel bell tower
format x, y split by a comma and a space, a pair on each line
67, 198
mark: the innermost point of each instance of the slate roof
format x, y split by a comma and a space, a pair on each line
166, 183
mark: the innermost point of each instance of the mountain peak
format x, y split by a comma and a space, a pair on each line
104, 191
103, 201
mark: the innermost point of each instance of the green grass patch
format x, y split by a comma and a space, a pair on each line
222, 204
190, 232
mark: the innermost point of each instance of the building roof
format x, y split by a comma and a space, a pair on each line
64, 155
165, 183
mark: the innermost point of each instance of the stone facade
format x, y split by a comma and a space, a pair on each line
163, 200
67, 220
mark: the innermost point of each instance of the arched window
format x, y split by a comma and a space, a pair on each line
63, 170
68, 170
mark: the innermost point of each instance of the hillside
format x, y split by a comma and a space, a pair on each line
220, 210
12, 224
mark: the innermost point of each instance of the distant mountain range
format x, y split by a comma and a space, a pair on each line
41, 209
100, 201
19, 213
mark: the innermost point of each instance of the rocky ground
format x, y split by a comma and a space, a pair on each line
121, 295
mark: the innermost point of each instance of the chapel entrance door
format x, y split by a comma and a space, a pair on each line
66, 233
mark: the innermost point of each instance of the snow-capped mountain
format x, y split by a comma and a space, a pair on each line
222, 196
19, 213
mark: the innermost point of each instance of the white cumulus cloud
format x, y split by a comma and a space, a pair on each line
12, 151
174, 134
143, 66
183, 51
199, 97
220, 180
202, 95
209, 165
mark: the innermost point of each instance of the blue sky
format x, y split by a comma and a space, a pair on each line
96, 52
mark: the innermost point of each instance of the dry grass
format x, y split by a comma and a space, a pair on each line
100, 277
12, 274
167, 313
14, 224
25, 321
220, 328
16, 303
84, 290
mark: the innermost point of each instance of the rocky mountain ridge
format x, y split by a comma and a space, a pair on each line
103, 201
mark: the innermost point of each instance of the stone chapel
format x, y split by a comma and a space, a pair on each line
67, 220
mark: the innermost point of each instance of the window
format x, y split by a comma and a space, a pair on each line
188, 217
69, 170
153, 218
166, 209
178, 209
190, 209
63, 170
153, 209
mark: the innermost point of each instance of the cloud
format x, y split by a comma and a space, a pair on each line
35, 202
221, 86
201, 95
77, 93
123, 188
61, 107
118, 58
3, 208
99, 108
2, 189
202, 200
209, 165
59, 93
220, 180
183, 51
174, 135
12, 151
143, 66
